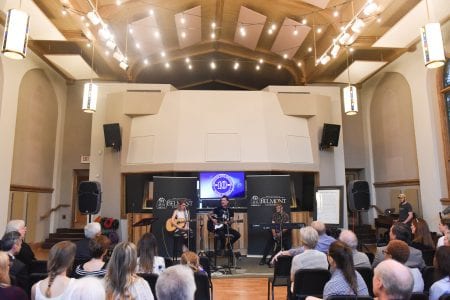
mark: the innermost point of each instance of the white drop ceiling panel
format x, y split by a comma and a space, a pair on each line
41, 28
359, 71
288, 43
73, 66
406, 31
191, 27
319, 3
147, 34
253, 23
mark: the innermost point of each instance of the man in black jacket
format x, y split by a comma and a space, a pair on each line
18, 271
25, 255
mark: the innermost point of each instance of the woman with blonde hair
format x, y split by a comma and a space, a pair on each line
121, 281
7, 291
191, 260
57, 285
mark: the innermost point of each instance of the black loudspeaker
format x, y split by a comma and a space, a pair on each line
330, 136
89, 197
112, 136
358, 195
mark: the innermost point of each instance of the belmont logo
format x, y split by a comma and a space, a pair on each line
172, 203
266, 200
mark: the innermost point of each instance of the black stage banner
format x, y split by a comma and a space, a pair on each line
167, 192
264, 191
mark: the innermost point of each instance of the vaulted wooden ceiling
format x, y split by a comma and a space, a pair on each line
256, 42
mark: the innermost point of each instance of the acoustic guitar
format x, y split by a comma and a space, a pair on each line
170, 227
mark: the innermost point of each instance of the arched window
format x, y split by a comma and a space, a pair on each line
444, 106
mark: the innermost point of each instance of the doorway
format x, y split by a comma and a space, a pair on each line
78, 220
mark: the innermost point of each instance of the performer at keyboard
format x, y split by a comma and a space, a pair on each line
180, 219
220, 219
277, 235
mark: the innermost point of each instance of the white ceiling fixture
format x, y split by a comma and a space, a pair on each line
432, 45
189, 24
15, 37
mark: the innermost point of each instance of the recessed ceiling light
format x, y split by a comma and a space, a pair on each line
213, 25
151, 12
304, 21
130, 30
64, 12
379, 20
335, 13
342, 28
87, 24
106, 52
118, 2
138, 46
309, 49
285, 56
190, 67
83, 18
182, 20
269, 31
157, 34
236, 66
213, 35
183, 35
295, 32
351, 49
243, 31
212, 65
257, 68
145, 61
187, 60
167, 65
299, 64
89, 45
319, 30
261, 61
163, 54
279, 67
273, 27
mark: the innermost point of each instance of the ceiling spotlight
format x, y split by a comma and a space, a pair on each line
213, 35
156, 34
285, 56
106, 52
279, 67
257, 68
213, 25
335, 50
89, 45
352, 39
82, 18
163, 54
295, 32
304, 21
151, 12
325, 59
243, 31
111, 44
123, 65
64, 12
145, 61
212, 65
357, 25
187, 60
183, 35
344, 38
104, 33
379, 20
87, 24
182, 20
351, 49
342, 28
309, 49
167, 65
130, 30
93, 17
236, 66
273, 26
118, 56
190, 67
269, 31
370, 8
261, 61
138, 46
319, 30
335, 13
299, 64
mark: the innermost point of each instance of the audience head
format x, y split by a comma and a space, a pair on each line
191, 260
421, 232
340, 256
309, 237
147, 249
447, 238
176, 283
442, 260
349, 237
397, 250
98, 246
16, 225
121, 268
392, 280
279, 207
11, 242
319, 227
444, 225
60, 260
4, 268
92, 229
400, 231
88, 288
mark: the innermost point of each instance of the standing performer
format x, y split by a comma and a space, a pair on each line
220, 220
405, 210
277, 234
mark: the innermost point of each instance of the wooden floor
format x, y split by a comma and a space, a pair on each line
244, 288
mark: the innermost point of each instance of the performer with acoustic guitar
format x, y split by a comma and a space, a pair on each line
179, 223
220, 220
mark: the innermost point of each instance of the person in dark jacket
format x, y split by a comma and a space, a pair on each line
25, 255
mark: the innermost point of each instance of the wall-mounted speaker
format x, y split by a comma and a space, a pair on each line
89, 197
358, 195
330, 136
112, 136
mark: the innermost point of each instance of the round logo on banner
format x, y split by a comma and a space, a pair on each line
222, 184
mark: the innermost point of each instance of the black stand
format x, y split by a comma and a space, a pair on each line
147, 222
202, 242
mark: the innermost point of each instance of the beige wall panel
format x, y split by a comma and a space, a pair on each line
35, 136
18, 206
137, 103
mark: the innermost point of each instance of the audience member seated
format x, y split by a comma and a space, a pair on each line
96, 266
88, 288
148, 260
399, 251
57, 285
402, 232
345, 280
323, 242
360, 259
18, 271
444, 227
121, 281
392, 280
310, 258
191, 260
7, 291
442, 264
25, 255
422, 239
177, 282
91, 230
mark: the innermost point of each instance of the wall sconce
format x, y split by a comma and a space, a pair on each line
15, 37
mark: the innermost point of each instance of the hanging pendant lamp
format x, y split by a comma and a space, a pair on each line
15, 37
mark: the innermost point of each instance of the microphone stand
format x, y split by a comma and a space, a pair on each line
230, 255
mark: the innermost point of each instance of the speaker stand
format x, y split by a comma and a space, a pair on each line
90, 218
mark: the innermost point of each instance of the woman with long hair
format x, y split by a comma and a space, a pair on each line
121, 281
422, 237
57, 285
345, 280
7, 291
148, 260
192, 260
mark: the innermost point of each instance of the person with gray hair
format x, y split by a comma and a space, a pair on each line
360, 259
392, 280
310, 258
11, 243
25, 255
176, 283
91, 230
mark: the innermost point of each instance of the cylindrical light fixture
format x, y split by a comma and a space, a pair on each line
432, 46
15, 37
90, 97
350, 100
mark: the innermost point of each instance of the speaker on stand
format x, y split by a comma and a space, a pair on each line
358, 196
89, 198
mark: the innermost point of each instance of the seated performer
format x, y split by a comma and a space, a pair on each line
220, 220
180, 219
276, 234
